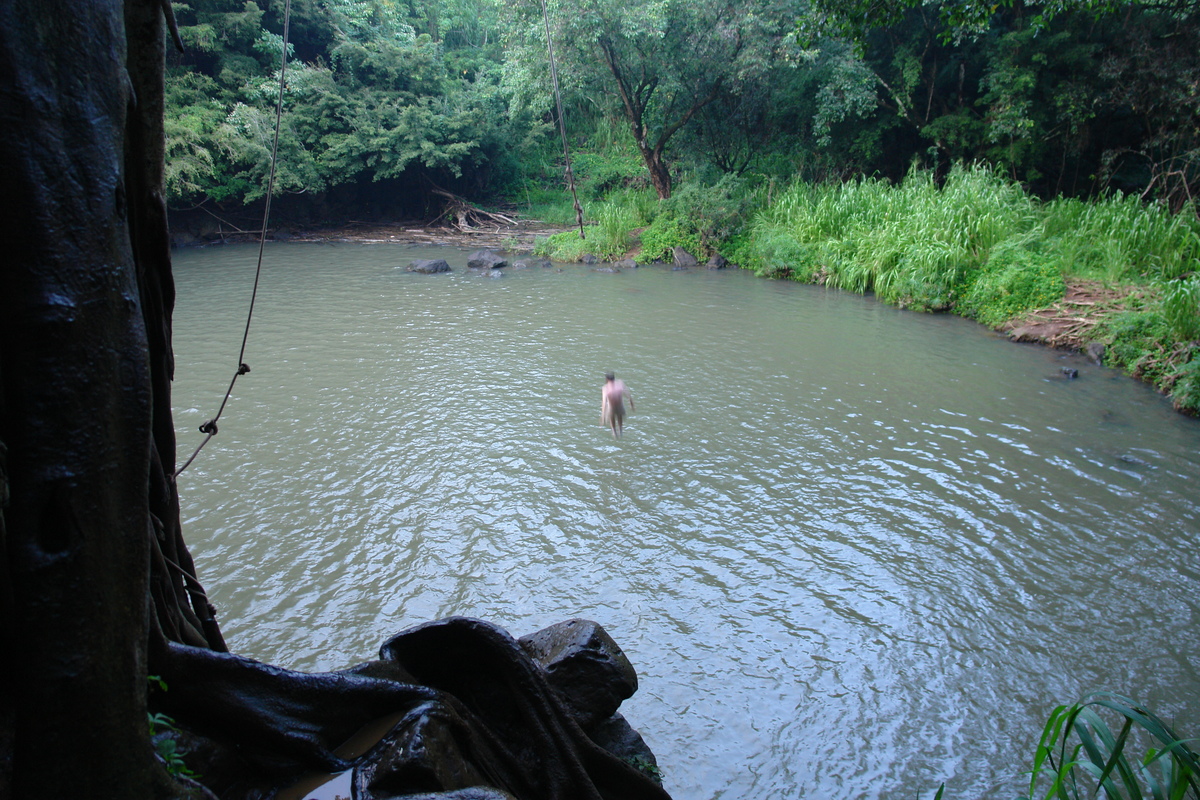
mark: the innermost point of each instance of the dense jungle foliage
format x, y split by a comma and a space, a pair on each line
944, 155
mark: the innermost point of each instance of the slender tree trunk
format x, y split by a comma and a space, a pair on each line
660, 173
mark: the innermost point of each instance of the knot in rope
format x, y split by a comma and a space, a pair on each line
209, 427
243, 369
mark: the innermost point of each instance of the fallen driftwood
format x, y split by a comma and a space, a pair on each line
466, 216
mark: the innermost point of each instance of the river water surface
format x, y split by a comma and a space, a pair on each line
852, 551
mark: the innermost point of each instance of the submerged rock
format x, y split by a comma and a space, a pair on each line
428, 266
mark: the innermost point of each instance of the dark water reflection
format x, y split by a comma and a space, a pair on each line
852, 551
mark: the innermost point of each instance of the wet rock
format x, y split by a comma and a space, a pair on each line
717, 261
590, 259
183, 239
609, 268
485, 259
585, 667
546, 263
1095, 352
1070, 373
626, 263
682, 258
520, 265
428, 266
492, 273
618, 737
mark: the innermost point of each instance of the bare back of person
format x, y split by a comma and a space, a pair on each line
612, 404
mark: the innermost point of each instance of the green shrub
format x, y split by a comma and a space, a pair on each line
778, 254
1014, 280
667, 232
1134, 342
716, 211
563, 246
1185, 390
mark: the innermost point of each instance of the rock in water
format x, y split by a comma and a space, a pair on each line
585, 667
485, 259
428, 266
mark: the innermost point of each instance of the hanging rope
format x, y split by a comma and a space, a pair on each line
562, 128
209, 429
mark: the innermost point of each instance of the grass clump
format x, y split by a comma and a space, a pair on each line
1080, 755
1122, 239
609, 236
914, 245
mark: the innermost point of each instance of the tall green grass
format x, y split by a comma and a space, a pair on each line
1081, 755
979, 245
1121, 238
609, 235
916, 244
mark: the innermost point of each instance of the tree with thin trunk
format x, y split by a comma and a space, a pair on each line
655, 65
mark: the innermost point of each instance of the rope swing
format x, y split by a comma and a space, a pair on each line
209, 428
562, 128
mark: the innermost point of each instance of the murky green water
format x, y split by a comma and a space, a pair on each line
852, 552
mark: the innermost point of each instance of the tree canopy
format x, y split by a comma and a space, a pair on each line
1074, 97
656, 65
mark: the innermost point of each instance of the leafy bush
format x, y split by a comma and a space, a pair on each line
716, 211
1014, 280
1185, 389
1134, 338
667, 232
778, 254
564, 246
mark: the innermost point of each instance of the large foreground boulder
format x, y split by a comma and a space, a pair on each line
585, 666
451, 709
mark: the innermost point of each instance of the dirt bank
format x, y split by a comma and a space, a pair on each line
1069, 322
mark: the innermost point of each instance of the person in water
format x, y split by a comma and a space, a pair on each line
612, 404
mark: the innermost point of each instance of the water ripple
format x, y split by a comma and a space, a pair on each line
829, 523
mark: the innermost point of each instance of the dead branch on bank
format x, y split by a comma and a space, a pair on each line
465, 216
